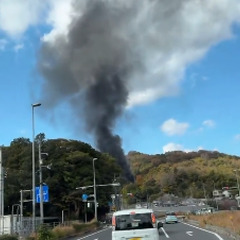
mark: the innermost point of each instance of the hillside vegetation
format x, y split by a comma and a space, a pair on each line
193, 174
70, 165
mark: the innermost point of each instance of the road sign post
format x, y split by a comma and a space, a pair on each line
45, 194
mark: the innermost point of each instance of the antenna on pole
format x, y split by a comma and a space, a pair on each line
1, 193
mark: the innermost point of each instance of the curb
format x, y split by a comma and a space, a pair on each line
83, 233
220, 230
223, 231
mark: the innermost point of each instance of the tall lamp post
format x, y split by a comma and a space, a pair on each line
94, 189
33, 167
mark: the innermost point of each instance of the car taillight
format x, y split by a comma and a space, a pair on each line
153, 218
113, 221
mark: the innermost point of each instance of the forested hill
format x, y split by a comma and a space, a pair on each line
182, 174
69, 164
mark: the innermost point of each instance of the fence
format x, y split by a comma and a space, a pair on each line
23, 227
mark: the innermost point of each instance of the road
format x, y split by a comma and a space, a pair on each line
183, 231
178, 231
183, 209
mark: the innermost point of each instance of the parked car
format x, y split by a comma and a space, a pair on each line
135, 224
171, 217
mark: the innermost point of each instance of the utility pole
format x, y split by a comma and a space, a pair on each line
40, 184
41, 200
204, 192
21, 209
1, 193
236, 171
94, 188
238, 197
33, 168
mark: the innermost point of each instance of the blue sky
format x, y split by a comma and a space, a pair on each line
195, 107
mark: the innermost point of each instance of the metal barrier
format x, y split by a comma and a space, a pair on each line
23, 227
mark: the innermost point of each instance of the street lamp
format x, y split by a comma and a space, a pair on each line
94, 188
33, 166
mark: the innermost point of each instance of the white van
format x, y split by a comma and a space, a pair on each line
135, 224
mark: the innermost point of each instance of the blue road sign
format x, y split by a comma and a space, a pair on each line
84, 197
45, 194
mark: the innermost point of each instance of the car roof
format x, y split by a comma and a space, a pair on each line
132, 211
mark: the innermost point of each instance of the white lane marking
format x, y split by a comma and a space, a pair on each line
205, 230
105, 229
190, 233
165, 232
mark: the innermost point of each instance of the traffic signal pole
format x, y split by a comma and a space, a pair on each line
1, 194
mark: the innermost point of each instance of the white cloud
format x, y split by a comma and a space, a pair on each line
3, 43
59, 17
17, 16
18, 47
196, 78
168, 44
178, 40
170, 147
208, 123
172, 127
237, 137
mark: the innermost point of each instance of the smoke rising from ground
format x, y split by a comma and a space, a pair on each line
92, 65
117, 53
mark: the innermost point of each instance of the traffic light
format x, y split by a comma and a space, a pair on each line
5, 173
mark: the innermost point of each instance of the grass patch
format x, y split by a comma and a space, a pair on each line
75, 228
8, 237
226, 219
63, 231
85, 227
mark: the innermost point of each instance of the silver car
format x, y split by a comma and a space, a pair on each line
135, 224
171, 217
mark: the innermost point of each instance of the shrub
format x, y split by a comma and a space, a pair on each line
227, 219
8, 237
31, 237
44, 233
61, 232
84, 227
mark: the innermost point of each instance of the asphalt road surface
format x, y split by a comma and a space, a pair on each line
177, 231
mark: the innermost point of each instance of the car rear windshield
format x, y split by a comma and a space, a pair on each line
170, 214
135, 221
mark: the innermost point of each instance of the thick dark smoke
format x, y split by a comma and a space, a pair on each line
91, 66
104, 103
126, 52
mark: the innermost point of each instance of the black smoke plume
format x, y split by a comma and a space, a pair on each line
90, 65
126, 52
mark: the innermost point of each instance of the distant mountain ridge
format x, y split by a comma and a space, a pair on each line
182, 174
